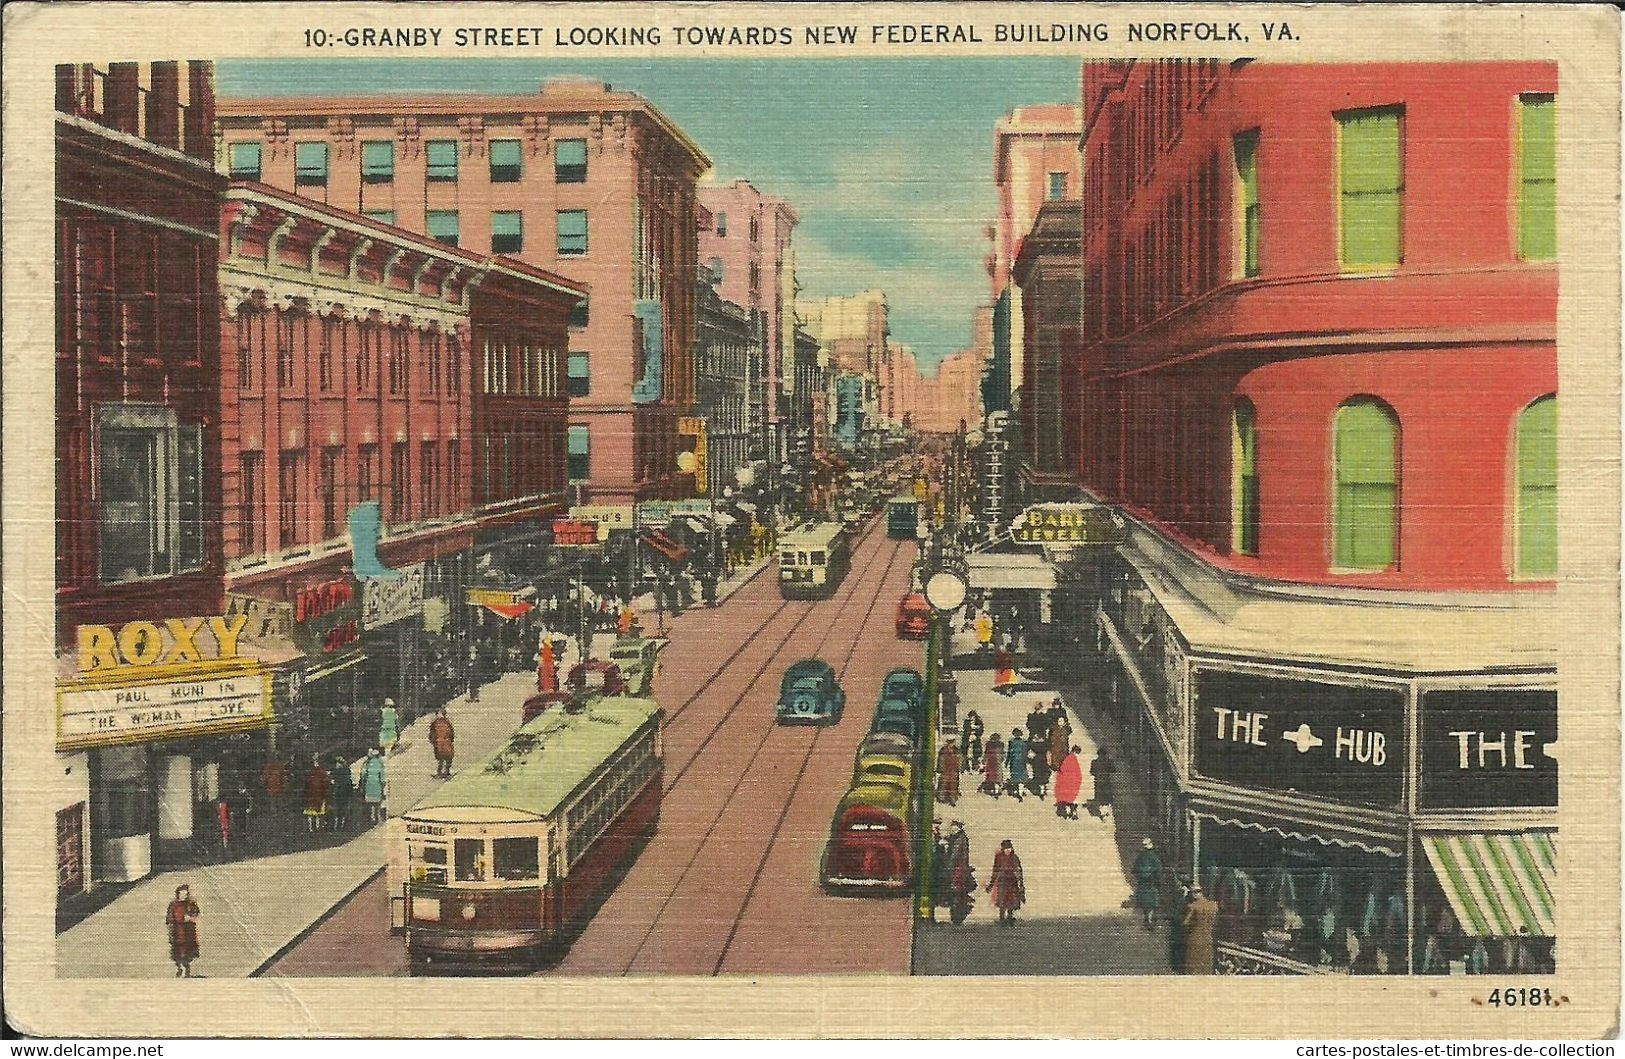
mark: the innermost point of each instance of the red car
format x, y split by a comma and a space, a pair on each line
914, 617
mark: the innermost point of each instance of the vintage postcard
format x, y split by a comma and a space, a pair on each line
797, 521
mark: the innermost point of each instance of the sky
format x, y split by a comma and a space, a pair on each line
889, 162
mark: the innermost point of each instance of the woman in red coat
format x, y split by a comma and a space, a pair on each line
993, 766
1006, 884
181, 919
1068, 785
318, 789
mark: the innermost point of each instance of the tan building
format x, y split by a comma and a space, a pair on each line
595, 184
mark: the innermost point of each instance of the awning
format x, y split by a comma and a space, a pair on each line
1011, 570
510, 611
724, 519
665, 545
1498, 884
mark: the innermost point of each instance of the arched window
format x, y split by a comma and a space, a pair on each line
1535, 489
1366, 470
1244, 479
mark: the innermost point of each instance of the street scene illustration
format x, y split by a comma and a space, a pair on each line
916, 516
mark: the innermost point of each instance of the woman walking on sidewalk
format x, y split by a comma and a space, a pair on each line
343, 785
1016, 752
372, 785
970, 742
1068, 785
318, 789
181, 920
389, 726
993, 767
1006, 884
948, 773
443, 737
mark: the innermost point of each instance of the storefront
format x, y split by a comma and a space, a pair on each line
392, 635
148, 716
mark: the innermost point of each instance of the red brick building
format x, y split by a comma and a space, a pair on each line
1318, 390
593, 183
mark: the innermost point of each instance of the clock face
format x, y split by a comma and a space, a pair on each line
945, 590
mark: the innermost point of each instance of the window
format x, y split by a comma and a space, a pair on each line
245, 161
248, 505
716, 270
1244, 479
454, 366
1536, 485
755, 229
284, 348
580, 377
580, 453
378, 161
428, 478
507, 165
1366, 458
383, 216
443, 226
151, 493
399, 457
722, 226
572, 240
570, 161
578, 313
367, 468
371, 335
330, 491
454, 475
431, 362
1057, 187
1371, 188
332, 335
755, 277
442, 159
507, 232
399, 338
516, 858
310, 165
1537, 177
469, 859
287, 500
1246, 215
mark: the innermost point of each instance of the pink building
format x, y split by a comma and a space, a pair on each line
594, 184
745, 240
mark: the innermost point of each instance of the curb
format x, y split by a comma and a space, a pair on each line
310, 928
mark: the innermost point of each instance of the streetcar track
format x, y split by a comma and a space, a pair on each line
755, 753
801, 773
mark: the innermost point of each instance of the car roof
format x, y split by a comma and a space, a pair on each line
809, 667
903, 672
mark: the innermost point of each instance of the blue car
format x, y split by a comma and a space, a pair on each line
902, 724
904, 684
809, 694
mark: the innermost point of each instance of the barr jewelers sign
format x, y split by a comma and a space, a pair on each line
185, 701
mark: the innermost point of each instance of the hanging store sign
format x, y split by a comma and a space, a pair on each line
326, 617
1489, 748
608, 516
655, 514
174, 642
387, 600
574, 533
1066, 524
1337, 741
113, 709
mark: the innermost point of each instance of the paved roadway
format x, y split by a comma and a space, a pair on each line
729, 883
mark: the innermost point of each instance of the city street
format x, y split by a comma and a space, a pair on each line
729, 883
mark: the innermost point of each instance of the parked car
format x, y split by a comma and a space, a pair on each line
901, 723
895, 769
888, 744
913, 617
810, 694
636, 657
904, 684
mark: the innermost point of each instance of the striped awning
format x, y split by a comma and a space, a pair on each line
1498, 884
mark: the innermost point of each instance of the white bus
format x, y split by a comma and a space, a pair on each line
813, 559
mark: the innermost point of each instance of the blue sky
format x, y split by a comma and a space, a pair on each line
888, 161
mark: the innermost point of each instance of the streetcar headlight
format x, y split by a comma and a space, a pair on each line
468, 911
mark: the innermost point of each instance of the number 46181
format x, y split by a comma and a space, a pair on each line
1521, 997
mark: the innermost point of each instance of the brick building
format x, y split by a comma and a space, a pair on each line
595, 184
1318, 391
1048, 274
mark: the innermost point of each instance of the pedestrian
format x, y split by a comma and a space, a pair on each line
318, 790
443, 737
389, 726
1200, 913
1038, 769
372, 785
1037, 725
1147, 873
242, 814
1006, 884
970, 742
948, 773
222, 810
1068, 784
993, 767
940, 868
1016, 754
181, 921
473, 673
984, 632
1060, 735
961, 876
1004, 671
342, 782
1102, 769
1176, 928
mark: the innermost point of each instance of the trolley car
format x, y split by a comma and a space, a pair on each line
813, 560
507, 860
902, 517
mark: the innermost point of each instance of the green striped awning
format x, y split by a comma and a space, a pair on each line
1498, 884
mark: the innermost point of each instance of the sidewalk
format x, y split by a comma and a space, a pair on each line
1073, 921
254, 907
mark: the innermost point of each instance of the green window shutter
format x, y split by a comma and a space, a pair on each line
1366, 513
1246, 149
1537, 489
1371, 188
1244, 479
1537, 176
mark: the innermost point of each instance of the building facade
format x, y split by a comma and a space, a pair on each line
578, 179
1048, 273
729, 341
1318, 390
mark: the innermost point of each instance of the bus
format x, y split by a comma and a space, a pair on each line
813, 560
902, 517
506, 860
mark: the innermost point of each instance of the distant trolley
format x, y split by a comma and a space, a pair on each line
506, 860
902, 517
813, 560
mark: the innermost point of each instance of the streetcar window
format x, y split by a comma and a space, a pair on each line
516, 858
818, 558
470, 865
434, 854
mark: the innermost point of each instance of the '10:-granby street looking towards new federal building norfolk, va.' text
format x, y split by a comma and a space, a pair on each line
560, 524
